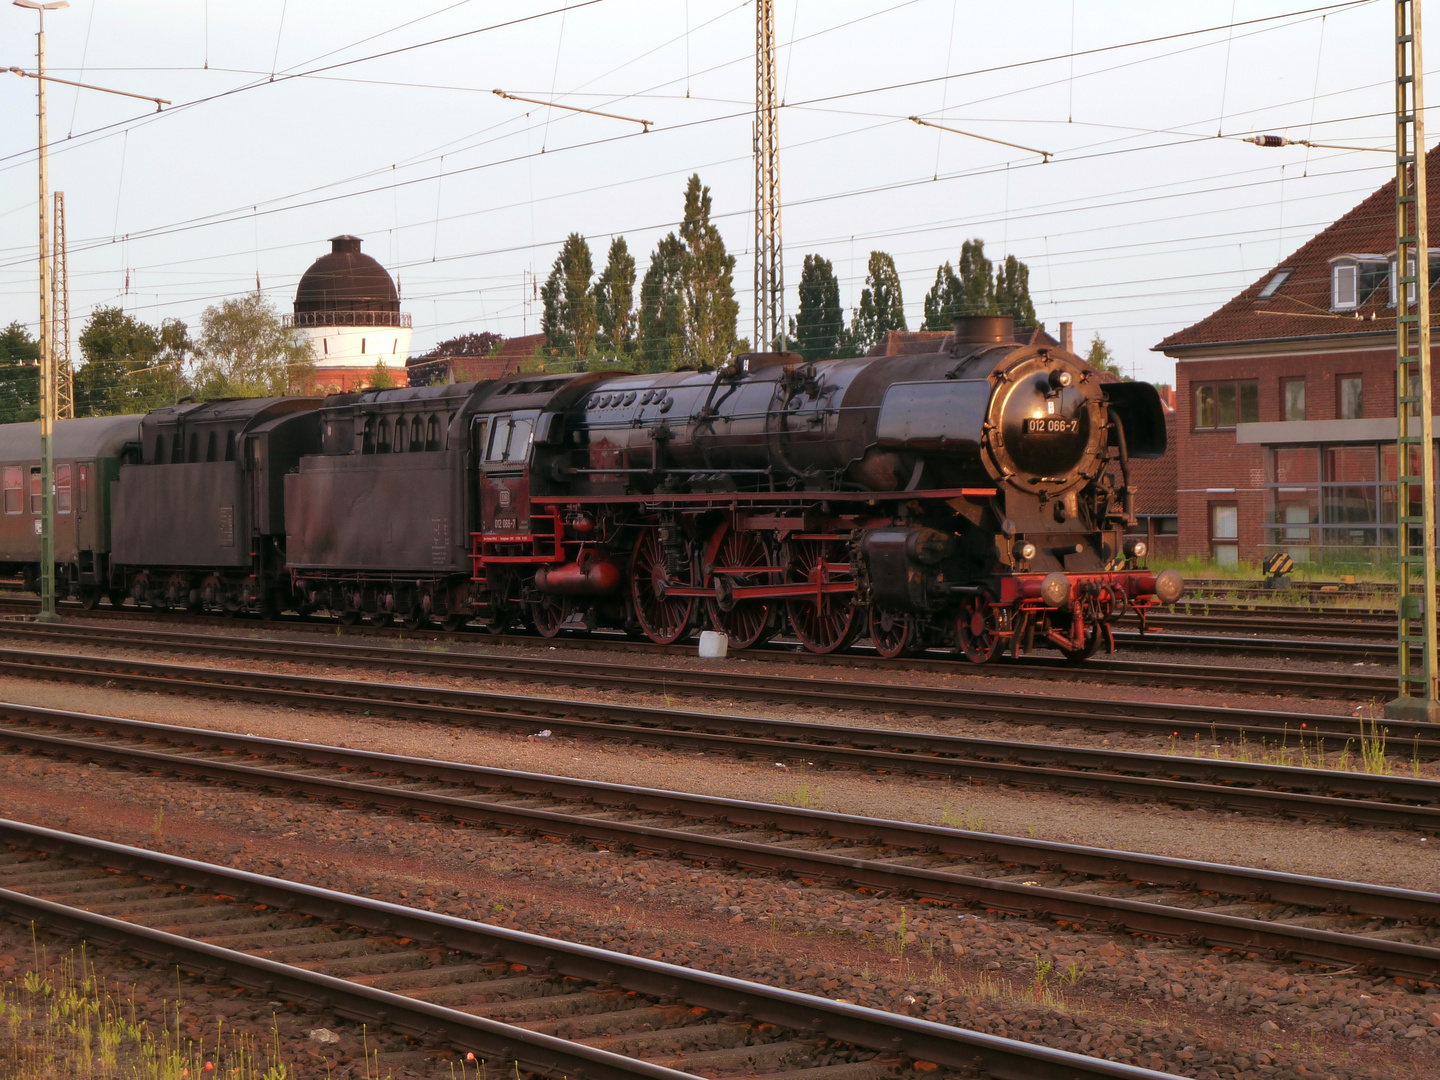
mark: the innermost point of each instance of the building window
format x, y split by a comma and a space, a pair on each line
1225, 533
1275, 282
62, 489
1348, 397
1345, 287
1292, 398
362, 345
1222, 405
14, 487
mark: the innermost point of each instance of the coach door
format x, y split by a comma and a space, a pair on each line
505, 477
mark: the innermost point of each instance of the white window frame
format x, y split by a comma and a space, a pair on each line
1338, 275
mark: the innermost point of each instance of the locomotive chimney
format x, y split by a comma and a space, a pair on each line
983, 329
1067, 336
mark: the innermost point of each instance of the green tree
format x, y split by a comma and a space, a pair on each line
19, 375
977, 283
1102, 359
661, 329
569, 320
818, 327
246, 351
615, 300
126, 369
710, 305
943, 301
1012, 291
882, 305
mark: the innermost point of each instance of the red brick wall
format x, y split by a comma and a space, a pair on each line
1212, 459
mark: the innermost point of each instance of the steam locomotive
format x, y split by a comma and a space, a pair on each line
975, 498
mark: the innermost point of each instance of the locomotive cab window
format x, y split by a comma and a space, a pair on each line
510, 439
62, 489
14, 485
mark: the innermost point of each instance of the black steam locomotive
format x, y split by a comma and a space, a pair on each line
975, 498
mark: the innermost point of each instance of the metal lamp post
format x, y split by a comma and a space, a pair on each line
47, 346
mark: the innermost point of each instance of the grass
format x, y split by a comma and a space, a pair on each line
806, 797
966, 819
61, 1020
1367, 752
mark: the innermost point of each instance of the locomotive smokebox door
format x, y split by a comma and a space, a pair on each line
505, 477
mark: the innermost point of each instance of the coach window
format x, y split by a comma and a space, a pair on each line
1348, 396
417, 437
35, 489
1222, 405
1225, 534
84, 486
432, 433
13, 486
62, 489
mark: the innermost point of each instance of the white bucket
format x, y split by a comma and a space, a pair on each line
713, 646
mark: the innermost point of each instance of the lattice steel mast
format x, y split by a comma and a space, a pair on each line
1415, 507
769, 264
60, 324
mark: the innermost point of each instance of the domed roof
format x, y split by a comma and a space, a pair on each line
346, 280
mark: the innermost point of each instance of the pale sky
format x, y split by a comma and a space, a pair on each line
1141, 223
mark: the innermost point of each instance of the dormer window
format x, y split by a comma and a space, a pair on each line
1275, 282
1353, 278
1434, 273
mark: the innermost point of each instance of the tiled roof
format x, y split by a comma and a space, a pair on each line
1300, 307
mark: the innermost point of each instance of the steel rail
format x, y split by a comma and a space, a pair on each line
1171, 719
817, 1017
1071, 904
1273, 789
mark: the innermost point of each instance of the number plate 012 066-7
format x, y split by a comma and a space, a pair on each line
1051, 426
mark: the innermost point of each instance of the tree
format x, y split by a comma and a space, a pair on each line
942, 302
710, 305
246, 351
977, 285
1101, 358
127, 368
570, 319
381, 378
1012, 291
818, 327
882, 306
615, 299
19, 375
662, 325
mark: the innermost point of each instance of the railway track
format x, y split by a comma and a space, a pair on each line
1393, 801
1344, 924
522, 1001
1346, 686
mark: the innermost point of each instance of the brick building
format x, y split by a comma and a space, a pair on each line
1285, 418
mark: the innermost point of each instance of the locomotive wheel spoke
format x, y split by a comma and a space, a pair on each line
894, 635
976, 631
665, 619
547, 613
749, 622
828, 622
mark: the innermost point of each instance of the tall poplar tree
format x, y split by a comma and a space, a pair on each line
882, 305
818, 327
977, 282
1012, 291
943, 301
615, 299
661, 329
570, 321
710, 305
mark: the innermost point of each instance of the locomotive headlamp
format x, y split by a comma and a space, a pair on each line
1136, 549
1169, 586
1055, 589
1025, 551
1060, 379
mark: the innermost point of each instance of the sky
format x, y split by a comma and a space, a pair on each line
295, 120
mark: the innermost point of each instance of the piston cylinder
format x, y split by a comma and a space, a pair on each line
590, 575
